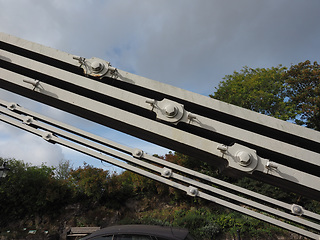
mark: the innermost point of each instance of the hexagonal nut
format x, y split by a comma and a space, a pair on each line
171, 110
97, 66
12, 106
138, 153
47, 136
166, 172
28, 120
244, 158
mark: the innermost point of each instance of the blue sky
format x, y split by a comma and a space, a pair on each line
191, 44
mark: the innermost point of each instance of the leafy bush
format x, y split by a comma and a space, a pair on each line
31, 190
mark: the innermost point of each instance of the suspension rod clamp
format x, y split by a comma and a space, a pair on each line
240, 157
96, 67
167, 110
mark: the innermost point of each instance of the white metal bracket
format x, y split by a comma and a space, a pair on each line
167, 110
34, 83
240, 157
97, 67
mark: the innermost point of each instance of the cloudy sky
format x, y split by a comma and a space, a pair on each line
190, 44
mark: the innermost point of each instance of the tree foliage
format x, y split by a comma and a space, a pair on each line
63, 170
30, 189
90, 182
261, 90
303, 89
292, 94
30, 192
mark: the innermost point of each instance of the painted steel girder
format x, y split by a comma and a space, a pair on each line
224, 135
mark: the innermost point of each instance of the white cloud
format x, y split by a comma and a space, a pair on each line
21, 145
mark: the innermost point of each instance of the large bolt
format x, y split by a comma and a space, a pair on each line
166, 172
97, 66
171, 110
192, 191
12, 106
244, 158
137, 153
28, 120
297, 209
47, 136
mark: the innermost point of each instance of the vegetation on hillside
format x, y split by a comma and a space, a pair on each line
37, 197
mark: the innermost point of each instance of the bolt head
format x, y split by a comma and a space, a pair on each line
47, 136
12, 106
193, 191
28, 120
296, 209
97, 66
244, 158
138, 153
171, 110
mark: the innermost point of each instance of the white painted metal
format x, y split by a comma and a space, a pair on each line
159, 129
159, 108
172, 91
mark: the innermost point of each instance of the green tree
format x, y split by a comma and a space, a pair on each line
30, 190
63, 170
303, 91
90, 182
261, 90
292, 94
